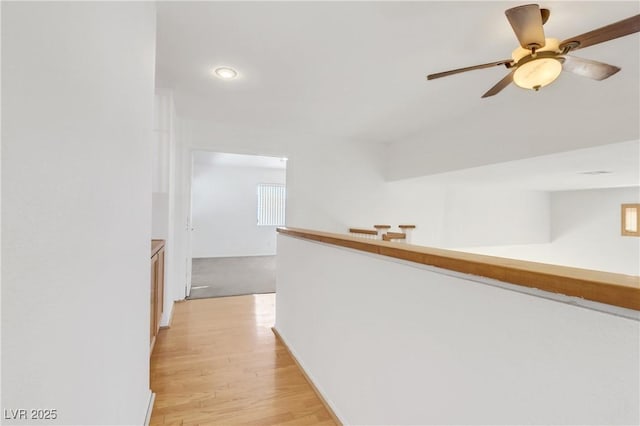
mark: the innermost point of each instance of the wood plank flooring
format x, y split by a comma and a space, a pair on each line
220, 364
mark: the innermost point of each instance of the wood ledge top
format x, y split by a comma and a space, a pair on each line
363, 231
605, 287
156, 245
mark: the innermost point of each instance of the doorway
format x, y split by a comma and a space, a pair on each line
237, 201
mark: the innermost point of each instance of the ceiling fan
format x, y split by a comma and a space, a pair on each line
539, 60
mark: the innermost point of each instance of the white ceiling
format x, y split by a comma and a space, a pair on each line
238, 160
557, 172
355, 71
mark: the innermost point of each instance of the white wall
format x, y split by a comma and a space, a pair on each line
163, 147
585, 233
333, 185
224, 203
77, 82
456, 215
476, 216
160, 215
179, 260
446, 350
586, 229
163, 190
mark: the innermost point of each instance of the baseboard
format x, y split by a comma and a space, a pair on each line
152, 400
163, 327
333, 415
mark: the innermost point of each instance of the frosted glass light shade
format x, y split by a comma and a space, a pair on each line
537, 73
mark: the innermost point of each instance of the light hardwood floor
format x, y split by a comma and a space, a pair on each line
220, 364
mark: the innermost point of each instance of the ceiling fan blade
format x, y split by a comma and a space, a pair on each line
609, 32
475, 67
501, 85
588, 68
545, 13
526, 22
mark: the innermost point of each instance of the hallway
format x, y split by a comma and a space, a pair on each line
220, 364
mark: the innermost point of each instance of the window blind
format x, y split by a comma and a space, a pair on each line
271, 198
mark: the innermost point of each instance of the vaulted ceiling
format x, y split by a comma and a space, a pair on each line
355, 71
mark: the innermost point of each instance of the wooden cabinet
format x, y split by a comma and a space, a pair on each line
156, 289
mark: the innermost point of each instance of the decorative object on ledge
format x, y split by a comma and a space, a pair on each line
370, 234
382, 226
631, 220
391, 236
598, 286
407, 230
381, 230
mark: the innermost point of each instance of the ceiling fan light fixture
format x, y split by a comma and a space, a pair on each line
538, 61
537, 73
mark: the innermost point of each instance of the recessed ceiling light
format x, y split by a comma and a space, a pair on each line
596, 172
225, 73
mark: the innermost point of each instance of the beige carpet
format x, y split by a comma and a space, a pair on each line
232, 276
